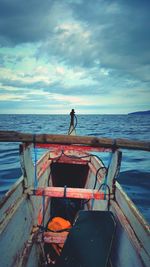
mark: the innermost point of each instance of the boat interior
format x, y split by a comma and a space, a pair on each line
67, 175
70, 211
76, 170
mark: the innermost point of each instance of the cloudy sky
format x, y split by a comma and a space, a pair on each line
91, 55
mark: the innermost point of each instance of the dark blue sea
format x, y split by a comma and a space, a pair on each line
135, 168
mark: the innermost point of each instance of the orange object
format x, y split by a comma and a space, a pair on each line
58, 224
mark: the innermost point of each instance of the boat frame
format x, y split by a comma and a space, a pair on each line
24, 210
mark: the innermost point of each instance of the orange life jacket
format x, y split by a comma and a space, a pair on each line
58, 224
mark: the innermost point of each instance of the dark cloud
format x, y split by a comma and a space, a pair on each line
120, 31
119, 36
117, 27
92, 34
24, 21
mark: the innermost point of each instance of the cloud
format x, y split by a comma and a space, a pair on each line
75, 52
24, 21
114, 34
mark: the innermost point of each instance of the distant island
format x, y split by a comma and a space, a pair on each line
146, 112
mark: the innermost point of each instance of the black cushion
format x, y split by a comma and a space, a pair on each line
89, 241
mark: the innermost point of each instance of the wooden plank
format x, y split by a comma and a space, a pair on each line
8, 195
72, 161
12, 136
16, 232
125, 243
74, 147
58, 238
101, 174
139, 247
126, 225
80, 193
40, 214
137, 222
10, 203
44, 167
26, 257
113, 169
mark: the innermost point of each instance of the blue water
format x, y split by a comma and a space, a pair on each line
135, 168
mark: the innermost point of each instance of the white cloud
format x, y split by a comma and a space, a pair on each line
83, 54
12, 97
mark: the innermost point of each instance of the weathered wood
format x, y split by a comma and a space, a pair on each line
127, 248
79, 148
20, 212
12, 136
58, 238
15, 230
80, 193
137, 222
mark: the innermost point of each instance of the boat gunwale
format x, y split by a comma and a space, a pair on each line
13, 136
11, 191
132, 206
136, 225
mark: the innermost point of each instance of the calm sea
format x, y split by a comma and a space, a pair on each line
135, 168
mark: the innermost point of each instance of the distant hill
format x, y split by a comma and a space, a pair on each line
146, 112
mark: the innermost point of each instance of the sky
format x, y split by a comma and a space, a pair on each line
90, 55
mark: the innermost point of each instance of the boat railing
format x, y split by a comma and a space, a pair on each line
13, 136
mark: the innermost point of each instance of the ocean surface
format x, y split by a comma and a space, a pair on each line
135, 169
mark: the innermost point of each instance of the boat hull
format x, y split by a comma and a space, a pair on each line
22, 211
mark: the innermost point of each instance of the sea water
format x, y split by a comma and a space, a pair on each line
135, 168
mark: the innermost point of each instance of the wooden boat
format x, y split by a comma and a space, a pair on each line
70, 181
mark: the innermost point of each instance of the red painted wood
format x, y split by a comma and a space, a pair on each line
44, 167
40, 214
74, 147
68, 160
80, 193
58, 238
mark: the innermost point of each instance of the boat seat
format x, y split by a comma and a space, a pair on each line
89, 241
